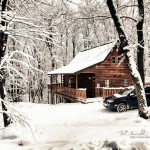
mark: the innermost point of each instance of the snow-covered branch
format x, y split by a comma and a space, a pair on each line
16, 116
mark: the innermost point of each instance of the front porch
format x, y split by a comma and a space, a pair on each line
80, 94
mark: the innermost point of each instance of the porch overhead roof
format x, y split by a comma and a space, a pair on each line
85, 59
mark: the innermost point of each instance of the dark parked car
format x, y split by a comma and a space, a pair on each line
125, 100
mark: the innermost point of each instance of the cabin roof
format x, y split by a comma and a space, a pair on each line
85, 59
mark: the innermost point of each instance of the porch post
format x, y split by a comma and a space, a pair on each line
76, 85
61, 81
51, 90
56, 90
61, 84
76, 82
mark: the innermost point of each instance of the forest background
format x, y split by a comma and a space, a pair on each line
43, 35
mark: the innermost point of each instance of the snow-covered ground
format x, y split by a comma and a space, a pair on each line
76, 127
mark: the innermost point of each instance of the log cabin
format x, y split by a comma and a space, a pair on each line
96, 72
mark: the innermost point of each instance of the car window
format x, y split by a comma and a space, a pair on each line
133, 92
126, 91
147, 90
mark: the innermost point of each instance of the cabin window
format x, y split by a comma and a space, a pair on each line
113, 60
106, 83
98, 86
119, 59
125, 82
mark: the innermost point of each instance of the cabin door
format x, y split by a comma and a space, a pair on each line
87, 80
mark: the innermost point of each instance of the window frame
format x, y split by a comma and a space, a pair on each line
107, 83
113, 60
126, 82
119, 59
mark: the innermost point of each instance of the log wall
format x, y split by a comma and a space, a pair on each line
106, 70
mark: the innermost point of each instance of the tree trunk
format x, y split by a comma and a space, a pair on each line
6, 118
140, 48
3, 41
130, 61
74, 46
50, 45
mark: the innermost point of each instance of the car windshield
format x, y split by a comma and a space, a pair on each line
126, 91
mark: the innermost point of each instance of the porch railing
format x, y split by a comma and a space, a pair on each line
104, 91
81, 93
70, 92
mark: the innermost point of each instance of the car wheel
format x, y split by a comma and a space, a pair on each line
122, 107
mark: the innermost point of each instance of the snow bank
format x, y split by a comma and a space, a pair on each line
77, 126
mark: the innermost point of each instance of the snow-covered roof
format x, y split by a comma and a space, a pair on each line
85, 59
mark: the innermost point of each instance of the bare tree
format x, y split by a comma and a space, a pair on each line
140, 48
16, 59
3, 42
